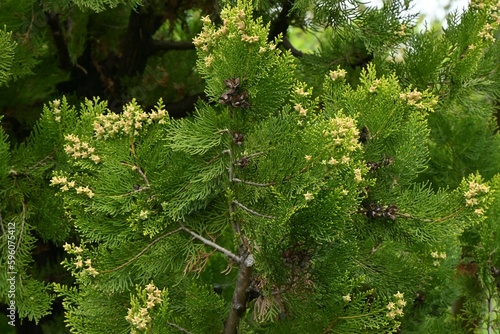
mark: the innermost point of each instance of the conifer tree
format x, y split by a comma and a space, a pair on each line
354, 190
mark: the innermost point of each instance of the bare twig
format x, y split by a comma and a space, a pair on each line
50, 156
231, 162
252, 211
138, 169
142, 251
130, 192
207, 242
252, 183
181, 329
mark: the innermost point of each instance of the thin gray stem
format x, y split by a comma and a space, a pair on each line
230, 168
50, 156
252, 183
139, 170
207, 242
252, 211
181, 329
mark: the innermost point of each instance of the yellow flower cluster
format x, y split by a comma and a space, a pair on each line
357, 175
234, 25
85, 190
485, 4
396, 307
416, 98
402, 30
344, 133
139, 317
79, 262
65, 185
340, 73
129, 122
438, 256
373, 87
57, 112
411, 97
472, 195
301, 99
492, 10
486, 33
63, 182
300, 109
79, 149
271, 47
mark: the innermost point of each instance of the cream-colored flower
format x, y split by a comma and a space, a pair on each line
332, 161
150, 287
357, 175
401, 303
92, 271
345, 159
206, 19
338, 74
399, 295
300, 91
479, 212
95, 158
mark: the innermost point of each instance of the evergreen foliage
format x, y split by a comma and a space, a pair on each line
7, 47
354, 190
